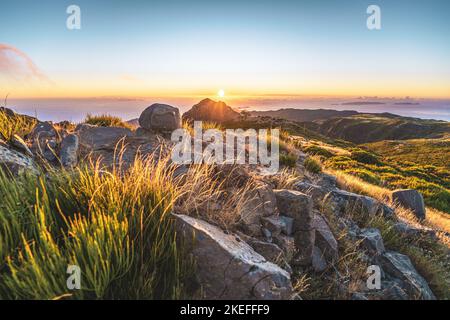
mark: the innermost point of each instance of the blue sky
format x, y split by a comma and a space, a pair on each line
246, 47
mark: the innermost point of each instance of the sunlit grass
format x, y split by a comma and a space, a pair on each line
106, 120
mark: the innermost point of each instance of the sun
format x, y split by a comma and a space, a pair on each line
221, 93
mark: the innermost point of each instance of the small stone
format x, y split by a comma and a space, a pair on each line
69, 151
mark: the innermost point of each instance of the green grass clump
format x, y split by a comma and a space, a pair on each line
318, 151
288, 159
312, 165
364, 157
115, 226
106, 120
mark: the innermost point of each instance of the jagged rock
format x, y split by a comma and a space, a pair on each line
278, 224
262, 203
69, 151
97, 138
298, 206
392, 290
327, 181
344, 201
16, 162
372, 241
325, 240
288, 225
160, 117
18, 143
413, 232
319, 263
227, 268
410, 199
400, 266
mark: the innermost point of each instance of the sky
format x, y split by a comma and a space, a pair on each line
246, 48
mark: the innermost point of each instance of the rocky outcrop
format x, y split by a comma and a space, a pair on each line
400, 266
228, 268
410, 199
160, 117
298, 206
210, 110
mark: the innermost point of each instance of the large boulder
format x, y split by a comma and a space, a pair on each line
97, 138
16, 162
210, 110
160, 117
43, 128
410, 199
400, 267
298, 206
228, 268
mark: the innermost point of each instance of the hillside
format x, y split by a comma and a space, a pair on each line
110, 200
363, 128
303, 115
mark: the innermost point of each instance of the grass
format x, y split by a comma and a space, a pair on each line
106, 120
20, 125
115, 226
313, 165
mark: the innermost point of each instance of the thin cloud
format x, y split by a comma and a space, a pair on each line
18, 65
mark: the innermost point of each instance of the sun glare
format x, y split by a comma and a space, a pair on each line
221, 93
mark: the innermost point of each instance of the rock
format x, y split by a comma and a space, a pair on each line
160, 117
18, 143
270, 251
298, 206
273, 223
316, 192
287, 226
392, 290
327, 181
324, 238
400, 266
69, 151
358, 296
98, 138
345, 201
261, 204
209, 110
410, 199
45, 128
414, 232
16, 162
230, 269
319, 263
372, 241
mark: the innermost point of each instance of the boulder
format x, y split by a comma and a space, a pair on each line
69, 151
344, 201
160, 117
97, 138
324, 238
228, 268
410, 199
372, 241
278, 224
298, 206
400, 267
16, 162
316, 192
